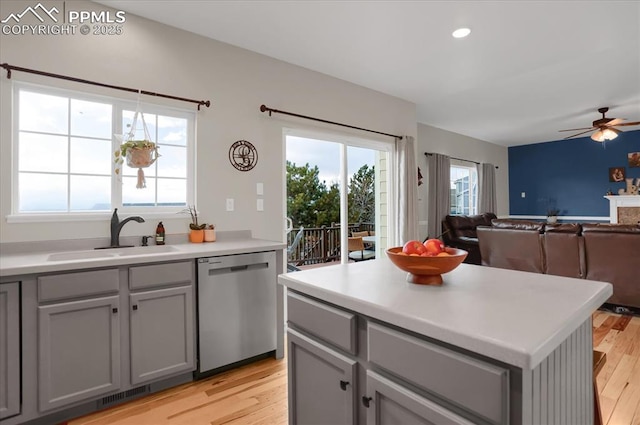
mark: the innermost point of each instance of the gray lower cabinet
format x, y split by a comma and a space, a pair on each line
162, 334
78, 350
391, 403
322, 386
9, 349
403, 379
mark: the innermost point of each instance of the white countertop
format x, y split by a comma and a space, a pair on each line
38, 262
515, 317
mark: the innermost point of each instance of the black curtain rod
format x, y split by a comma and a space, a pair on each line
264, 108
10, 68
459, 159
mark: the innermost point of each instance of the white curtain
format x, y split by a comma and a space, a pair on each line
486, 188
406, 168
439, 192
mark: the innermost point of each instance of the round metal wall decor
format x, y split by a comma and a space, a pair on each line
243, 155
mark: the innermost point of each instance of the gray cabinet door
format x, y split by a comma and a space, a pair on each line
78, 351
391, 403
9, 350
162, 333
322, 383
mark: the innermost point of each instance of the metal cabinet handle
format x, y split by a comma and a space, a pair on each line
114, 309
343, 385
366, 400
135, 306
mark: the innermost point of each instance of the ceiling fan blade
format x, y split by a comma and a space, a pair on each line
578, 129
627, 123
574, 135
615, 121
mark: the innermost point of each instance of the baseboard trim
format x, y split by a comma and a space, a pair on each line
560, 217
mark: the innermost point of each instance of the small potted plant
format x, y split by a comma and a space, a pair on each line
210, 233
552, 215
196, 230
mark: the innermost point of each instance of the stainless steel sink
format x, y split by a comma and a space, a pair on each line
110, 253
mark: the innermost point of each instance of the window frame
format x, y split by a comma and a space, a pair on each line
473, 189
118, 106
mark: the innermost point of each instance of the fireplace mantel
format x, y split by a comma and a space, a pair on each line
621, 201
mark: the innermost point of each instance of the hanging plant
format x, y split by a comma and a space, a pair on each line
139, 153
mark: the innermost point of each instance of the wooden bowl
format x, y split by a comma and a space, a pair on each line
426, 270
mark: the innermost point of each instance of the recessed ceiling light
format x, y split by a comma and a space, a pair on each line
461, 32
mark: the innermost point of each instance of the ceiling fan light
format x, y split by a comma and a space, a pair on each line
598, 136
610, 133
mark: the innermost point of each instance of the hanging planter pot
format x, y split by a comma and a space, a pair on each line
139, 153
142, 157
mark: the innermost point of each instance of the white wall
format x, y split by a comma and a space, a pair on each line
436, 140
156, 57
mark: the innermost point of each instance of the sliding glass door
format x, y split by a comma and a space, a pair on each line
335, 189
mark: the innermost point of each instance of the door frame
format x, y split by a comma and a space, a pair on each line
345, 140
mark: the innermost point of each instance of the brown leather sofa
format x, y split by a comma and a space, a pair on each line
459, 231
604, 252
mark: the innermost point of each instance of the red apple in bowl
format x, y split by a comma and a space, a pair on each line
414, 248
434, 246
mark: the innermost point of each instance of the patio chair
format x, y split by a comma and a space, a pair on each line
291, 249
362, 234
357, 252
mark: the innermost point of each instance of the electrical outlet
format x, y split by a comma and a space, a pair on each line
523, 195
230, 206
260, 204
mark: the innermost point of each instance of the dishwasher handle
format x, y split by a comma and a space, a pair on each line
239, 268
234, 269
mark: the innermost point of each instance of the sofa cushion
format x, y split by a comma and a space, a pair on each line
503, 223
459, 231
610, 228
465, 225
563, 228
564, 250
611, 255
513, 249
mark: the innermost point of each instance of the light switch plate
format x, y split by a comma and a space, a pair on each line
259, 189
230, 205
523, 194
260, 204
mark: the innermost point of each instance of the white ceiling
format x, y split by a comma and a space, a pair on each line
528, 69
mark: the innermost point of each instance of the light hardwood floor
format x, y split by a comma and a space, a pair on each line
257, 393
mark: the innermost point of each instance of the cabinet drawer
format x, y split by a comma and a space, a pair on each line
75, 285
327, 323
473, 385
142, 277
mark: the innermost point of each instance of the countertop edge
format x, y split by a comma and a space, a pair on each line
29, 264
501, 351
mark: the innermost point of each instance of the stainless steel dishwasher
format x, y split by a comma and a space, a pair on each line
236, 309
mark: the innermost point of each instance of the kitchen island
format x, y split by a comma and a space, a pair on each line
488, 346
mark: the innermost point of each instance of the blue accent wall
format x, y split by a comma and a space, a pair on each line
570, 175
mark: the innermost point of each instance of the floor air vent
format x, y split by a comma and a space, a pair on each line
123, 396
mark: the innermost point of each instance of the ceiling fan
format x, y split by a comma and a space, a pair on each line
605, 127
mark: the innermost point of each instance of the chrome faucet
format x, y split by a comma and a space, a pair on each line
116, 227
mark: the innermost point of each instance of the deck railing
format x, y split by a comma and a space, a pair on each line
320, 244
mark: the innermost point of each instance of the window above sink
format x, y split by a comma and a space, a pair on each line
63, 156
